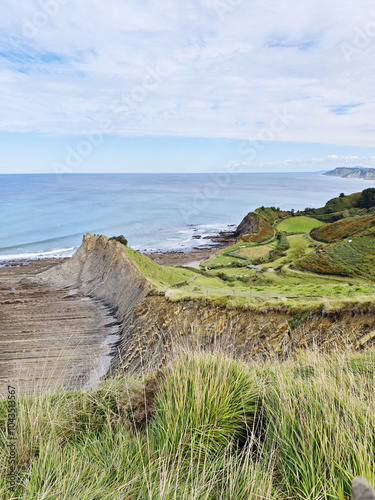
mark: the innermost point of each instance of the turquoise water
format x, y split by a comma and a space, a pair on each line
46, 215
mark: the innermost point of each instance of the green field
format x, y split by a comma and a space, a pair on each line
299, 224
288, 268
226, 277
254, 252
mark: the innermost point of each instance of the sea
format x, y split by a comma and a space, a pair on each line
46, 215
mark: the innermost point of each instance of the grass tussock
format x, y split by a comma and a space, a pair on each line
212, 428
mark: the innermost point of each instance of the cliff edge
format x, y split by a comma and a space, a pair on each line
101, 269
152, 326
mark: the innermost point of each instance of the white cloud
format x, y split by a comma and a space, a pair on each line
304, 164
224, 70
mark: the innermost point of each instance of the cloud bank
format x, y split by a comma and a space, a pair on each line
201, 68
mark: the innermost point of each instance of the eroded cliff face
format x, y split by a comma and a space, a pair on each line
158, 327
152, 327
101, 269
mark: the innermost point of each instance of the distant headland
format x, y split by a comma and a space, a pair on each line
367, 174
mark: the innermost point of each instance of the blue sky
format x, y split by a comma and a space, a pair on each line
195, 86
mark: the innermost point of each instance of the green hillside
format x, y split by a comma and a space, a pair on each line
350, 257
343, 228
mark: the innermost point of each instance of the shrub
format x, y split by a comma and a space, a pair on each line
367, 198
283, 243
121, 239
226, 277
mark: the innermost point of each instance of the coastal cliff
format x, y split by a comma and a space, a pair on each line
152, 326
101, 269
367, 174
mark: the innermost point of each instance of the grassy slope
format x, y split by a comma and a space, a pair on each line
340, 204
165, 277
307, 425
344, 258
161, 276
299, 224
343, 228
238, 286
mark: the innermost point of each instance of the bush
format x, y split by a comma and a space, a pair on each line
226, 277
120, 239
283, 243
244, 279
367, 198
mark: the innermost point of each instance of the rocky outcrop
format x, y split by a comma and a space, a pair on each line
158, 328
249, 224
101, 269
367, 174
256, 226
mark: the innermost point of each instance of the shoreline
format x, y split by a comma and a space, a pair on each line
190, 258
193, 257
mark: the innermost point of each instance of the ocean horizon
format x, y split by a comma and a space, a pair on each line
46, 215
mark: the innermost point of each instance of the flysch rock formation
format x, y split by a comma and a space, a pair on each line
59, 327
101, 269
152, 328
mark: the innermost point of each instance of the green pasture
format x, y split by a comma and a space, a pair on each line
299, 224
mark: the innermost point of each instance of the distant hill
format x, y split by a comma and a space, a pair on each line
349, 235
367, 174
341, 234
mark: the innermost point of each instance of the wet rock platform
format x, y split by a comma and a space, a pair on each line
50, 337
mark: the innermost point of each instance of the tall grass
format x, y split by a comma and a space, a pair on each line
206, 427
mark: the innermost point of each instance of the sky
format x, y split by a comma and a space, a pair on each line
194, 86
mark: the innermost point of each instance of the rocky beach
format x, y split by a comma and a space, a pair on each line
55, 336
50, 337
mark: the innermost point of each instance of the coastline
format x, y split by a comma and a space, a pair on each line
190, 257
193, 257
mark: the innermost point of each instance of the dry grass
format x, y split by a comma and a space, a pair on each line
254, 252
